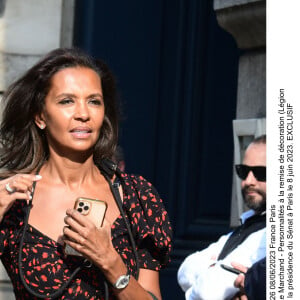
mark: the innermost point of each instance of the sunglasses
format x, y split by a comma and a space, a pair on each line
259, 172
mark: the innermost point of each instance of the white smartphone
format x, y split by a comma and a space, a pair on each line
93, 209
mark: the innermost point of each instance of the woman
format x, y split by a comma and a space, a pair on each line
59, 128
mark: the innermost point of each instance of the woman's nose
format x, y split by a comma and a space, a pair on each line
81, 111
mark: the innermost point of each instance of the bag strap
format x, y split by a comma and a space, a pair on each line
21, 273
63, 287
39, 295
108, 169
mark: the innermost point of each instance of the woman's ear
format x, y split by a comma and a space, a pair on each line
40, 122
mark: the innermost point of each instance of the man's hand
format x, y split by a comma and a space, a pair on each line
240, 282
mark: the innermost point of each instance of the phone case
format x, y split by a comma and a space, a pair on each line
93, 209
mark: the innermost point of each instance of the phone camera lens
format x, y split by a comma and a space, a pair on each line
79, 209
86, 207
81, 204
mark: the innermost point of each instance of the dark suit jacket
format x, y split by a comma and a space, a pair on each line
255, 281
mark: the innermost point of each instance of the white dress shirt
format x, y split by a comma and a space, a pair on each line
202, 278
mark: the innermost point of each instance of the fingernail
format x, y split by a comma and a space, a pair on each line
38, 176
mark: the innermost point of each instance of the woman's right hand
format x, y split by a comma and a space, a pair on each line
15, 187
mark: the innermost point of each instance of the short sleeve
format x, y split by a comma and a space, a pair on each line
151, 225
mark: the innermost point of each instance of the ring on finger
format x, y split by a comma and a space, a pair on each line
9, 189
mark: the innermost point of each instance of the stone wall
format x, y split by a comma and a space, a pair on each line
28, 30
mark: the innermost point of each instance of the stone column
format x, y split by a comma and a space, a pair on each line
245, 20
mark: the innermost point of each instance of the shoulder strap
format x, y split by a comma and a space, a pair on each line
108, 169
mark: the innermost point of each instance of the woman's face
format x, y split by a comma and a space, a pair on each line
74, 110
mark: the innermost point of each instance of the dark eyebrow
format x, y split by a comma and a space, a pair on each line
72, 95
63, 95
96, 95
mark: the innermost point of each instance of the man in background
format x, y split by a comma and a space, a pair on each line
208, 274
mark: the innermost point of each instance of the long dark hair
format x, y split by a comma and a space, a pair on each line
23, 145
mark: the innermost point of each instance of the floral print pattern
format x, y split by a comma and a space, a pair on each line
45, 266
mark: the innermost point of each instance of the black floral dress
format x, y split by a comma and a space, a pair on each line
46, 268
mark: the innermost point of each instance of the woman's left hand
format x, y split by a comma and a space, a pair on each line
92, 242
